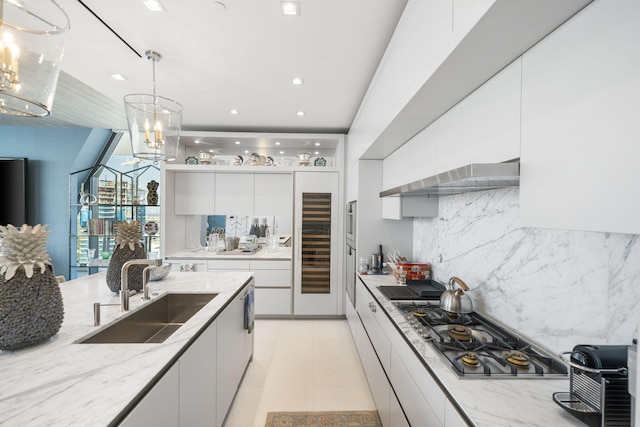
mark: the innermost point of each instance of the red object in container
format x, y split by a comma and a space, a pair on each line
414, 271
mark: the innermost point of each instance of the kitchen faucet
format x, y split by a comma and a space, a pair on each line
124, 279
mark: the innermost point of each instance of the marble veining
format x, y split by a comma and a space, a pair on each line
61, 383
558, 287
502, 402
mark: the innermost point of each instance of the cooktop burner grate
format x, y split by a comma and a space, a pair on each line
474, 346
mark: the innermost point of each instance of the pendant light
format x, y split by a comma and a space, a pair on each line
154, 122
32, 34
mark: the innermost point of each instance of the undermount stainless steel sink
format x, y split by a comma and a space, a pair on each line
154, 322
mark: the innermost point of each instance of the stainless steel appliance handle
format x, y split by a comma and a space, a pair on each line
621, 370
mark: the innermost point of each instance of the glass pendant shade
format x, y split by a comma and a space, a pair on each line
154, 126
32, 34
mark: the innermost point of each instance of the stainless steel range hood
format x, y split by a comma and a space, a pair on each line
473, 177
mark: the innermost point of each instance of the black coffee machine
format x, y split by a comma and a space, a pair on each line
598, 389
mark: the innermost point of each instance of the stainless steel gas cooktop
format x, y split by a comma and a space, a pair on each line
475, 347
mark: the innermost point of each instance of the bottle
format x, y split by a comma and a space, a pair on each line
255, 228
380, 259
263, 228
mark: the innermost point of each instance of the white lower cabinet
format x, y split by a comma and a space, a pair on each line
451, 416
160, 407
415, 405
199, 388
234, 350
273, 302
396, 414
378, 384
273, 287
404, 391
198, 381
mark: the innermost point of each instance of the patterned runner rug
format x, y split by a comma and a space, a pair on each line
323, 419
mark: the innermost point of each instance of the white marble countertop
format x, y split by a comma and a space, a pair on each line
487, 402
61, 383
283, 253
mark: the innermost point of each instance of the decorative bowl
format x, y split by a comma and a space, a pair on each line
159, 273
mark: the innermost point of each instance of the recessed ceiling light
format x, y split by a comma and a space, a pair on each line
297, 81
211, 151
300, 113
277, 142
317, 144
197, 141
316, 153
237, 142
117, 77
234, 112
246, 151
282, 152
290, 8
154, 5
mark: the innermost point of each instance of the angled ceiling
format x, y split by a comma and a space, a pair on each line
222, 55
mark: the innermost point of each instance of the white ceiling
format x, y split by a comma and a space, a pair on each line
222, 55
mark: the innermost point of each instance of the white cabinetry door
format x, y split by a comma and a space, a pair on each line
415, 405
369, 311
194, 193
160, 407
234, 350
485, 126
580, 109
273, 195
452, 418
396, 415
378, 384
198, 381
316, 204
234, 193
273, 287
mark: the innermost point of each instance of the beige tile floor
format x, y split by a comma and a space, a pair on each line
300, 365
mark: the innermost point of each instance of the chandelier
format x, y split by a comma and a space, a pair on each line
154, 122
32, 34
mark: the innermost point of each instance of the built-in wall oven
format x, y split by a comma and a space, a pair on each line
351, 258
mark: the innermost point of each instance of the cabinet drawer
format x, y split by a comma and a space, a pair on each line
270, 278
369, 310
418, 409
272, 301
378, 383
228, 264
271, 265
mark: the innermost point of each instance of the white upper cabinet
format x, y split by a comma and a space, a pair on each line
273, 194
234, 193
485, 126
482, 128
194, 193
580, 115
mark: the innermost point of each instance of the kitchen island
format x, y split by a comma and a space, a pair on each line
61, 382
450, 400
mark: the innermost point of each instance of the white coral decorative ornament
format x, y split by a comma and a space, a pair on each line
25, 247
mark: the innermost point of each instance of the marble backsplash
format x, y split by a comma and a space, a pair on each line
557, 288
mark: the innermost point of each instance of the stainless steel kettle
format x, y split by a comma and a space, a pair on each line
456, 300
